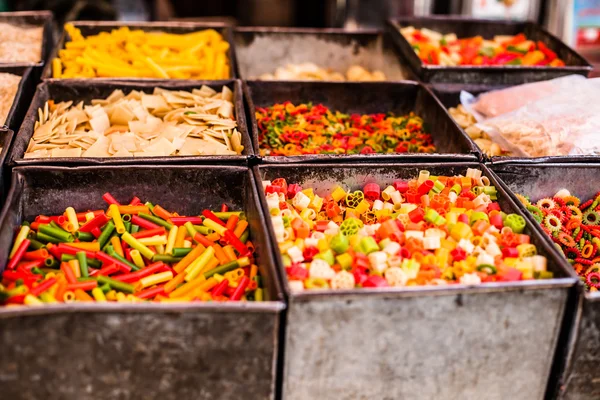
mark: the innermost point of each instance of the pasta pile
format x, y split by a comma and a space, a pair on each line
20, 44
311, 72
165, 123
135, 53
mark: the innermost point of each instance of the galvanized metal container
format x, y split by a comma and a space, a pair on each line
365, 97
6, 136
95, 27
81, 90
35, 18
491, 341
143, 350
491, 75
262, 50
579, 377
449, 95
23, 96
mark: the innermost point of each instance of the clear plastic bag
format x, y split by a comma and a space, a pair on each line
498, 102
566, 123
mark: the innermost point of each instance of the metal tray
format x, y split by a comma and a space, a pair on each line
94, 27
507, 75
23, 96
365, 97
77, 90
6, 136
449, 95
454, 342
580, 378
36, 18
261, 50
142, 350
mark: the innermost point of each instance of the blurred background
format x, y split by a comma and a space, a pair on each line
577, 22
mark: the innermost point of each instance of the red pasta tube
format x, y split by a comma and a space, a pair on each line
12, 264
109, 199
136, 276
182, 220
241, 248
241, 288
105, 258
149, 233
97, 222
85, 286
135, 201
210, 215
220, 288
151, 292
69, 274
108, 270
143, 223
42, 287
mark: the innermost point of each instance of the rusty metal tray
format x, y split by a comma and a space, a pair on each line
78, 90
449, 95
261, 50
140, 350
94, 27
365, 97
580, 376
453, 342
493, 75
36, 18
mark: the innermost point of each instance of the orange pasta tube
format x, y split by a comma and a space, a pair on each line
188, 287
89, 246
116, 244
181, 233
133, 209
229, 252
82, 296
213, 263
240, 228
191, 256
74, 265
173, 283
161, 212
220, 254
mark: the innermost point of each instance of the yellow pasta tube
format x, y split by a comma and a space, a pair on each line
171, 239
114, 213
137, 258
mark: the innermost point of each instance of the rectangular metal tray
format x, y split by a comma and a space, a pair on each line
449, 95
23, 96
580, 379
453, 342
365, 97
508, 75
78, 90
140, 350
261, 50
36, 18
94, 27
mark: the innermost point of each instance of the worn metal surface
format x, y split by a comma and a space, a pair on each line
81, 90
6, 136
580, 377
36, 18
455, 342
449, 95
262, 50
365, 97
133, 351
496, 75
94, 27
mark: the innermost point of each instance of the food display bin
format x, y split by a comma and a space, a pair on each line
381, 97
492, 341
490, 75
81, 90
580, 378
195, 350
